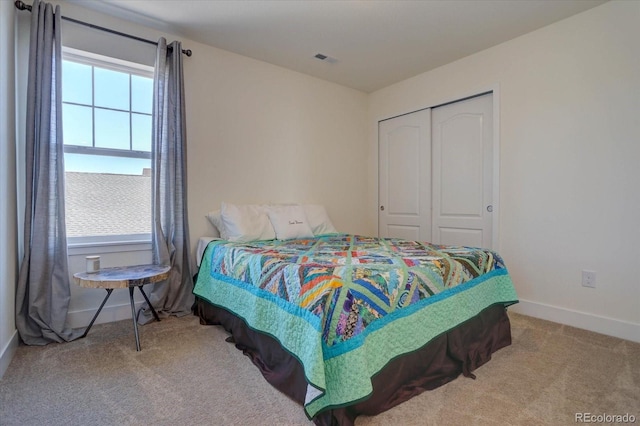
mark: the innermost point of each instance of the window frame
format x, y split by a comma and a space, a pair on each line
113, 242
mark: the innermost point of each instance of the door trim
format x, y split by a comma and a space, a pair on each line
496, 169
488, 92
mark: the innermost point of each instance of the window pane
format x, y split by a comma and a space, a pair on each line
112, 129
106, 195
76, 83
141, 132
112, 203
141, 94
76, 125
111, 89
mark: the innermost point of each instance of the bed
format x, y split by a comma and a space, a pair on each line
348, 325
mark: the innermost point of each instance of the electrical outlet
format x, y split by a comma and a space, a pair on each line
589, 279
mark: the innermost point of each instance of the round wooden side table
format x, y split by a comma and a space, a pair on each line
123, 277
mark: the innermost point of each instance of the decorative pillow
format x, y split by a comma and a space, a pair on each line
290, 222
248, 222
318, 218
215, 218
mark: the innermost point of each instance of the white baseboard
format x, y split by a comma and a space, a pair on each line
598, 324
8, 352
110, 313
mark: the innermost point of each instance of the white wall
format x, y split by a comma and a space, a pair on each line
256, 133
8, 239
259, 133
569, 118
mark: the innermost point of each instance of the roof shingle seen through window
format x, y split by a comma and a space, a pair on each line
107, 204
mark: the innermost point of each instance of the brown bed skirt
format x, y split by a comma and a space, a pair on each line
458, 351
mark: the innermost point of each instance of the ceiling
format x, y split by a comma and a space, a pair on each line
370, 44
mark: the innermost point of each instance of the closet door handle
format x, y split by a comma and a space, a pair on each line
381, 208
489, 209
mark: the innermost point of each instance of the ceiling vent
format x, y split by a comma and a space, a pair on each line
325, 58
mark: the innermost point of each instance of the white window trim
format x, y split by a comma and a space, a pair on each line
107, 243
101, 61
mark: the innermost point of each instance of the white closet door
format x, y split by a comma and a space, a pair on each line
404, 176
462, 175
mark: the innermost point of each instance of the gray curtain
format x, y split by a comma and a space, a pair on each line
43, 293
170, 227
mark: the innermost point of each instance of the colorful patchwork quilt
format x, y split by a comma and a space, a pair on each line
345, 305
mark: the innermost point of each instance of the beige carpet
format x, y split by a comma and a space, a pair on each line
187, 374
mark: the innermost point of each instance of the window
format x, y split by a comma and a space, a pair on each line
106, 120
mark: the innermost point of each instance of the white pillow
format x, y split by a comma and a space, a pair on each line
318, 219
248, 222
290, 222
215, 218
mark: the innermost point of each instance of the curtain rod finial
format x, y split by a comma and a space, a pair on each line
187, 52
22, 6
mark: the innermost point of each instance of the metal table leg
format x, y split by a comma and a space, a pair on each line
133, 313
153, 311
109, 290
135, 323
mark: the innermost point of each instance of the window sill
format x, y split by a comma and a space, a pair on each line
99, 247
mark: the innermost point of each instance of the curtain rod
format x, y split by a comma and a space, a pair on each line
22, 6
